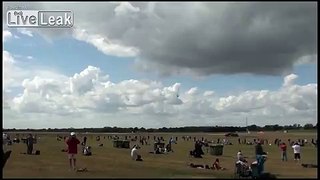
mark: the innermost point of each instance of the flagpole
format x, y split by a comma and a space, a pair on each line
247, 125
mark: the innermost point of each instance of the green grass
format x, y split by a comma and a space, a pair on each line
108, 161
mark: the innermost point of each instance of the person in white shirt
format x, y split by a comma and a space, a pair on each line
134, 153
296, 150
240, 156
87, 151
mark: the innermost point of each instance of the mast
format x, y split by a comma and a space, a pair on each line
247, 122
247, 126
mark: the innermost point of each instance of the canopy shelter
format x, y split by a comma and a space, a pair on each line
121, 144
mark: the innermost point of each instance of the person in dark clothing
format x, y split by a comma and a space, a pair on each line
29, 144
259, 157
198, 150
259, 149
5, 157
85, 140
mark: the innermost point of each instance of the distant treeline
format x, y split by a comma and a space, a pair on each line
175, 129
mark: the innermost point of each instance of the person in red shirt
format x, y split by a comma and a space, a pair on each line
283, 148
72, 143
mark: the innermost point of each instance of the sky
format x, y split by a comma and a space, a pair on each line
148, 64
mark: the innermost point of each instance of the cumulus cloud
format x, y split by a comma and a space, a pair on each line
8, 68
207, 38
6, 35
90, 90
150, 102
289, 80
208, 93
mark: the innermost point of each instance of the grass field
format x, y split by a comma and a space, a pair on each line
108, 161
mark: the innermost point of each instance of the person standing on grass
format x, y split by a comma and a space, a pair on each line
259, 157
85, 140
29, 144
283, 148
296, 150
72, 143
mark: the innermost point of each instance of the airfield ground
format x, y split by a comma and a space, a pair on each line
108, 161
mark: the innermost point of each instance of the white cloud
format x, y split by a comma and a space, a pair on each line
14, 73
105, 45
29, 57
125, 8
193, 91
289, 80
6, 35
208, 93
25, 32
85, 81
7, 58
8, 68
91, 94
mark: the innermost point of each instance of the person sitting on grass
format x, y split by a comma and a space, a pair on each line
240, 157
197, 152
243, 169
135, 154
216, 165
158, 150
168, 148
87, 151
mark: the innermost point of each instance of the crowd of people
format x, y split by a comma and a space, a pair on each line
72, 143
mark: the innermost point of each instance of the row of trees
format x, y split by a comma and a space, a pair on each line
179, 129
